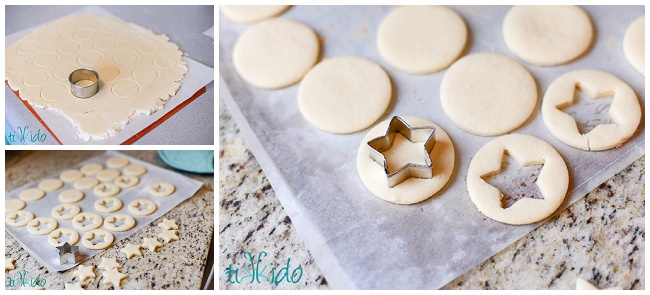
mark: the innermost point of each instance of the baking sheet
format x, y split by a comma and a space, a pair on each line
361, 241
197, 77
49, 256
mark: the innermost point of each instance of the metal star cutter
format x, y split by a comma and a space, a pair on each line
381, 144
66, 252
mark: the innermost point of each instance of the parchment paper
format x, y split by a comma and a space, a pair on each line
49, 256
361, 241
198, 75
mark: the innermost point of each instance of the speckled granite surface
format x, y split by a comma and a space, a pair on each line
177, 265
600, 238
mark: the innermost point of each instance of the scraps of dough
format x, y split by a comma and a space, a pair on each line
138, 70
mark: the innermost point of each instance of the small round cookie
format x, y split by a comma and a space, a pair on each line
547, 35
50, 185
128, 222
624, 110
50, 225
161, 189
149, 207
85, 183
107, 175
553, 179
412, 190
71, 196
634, 44
106, 190
70, 175
54, 236
245, 14
421, 39
12, 218
31, 194
344, 94
72, 209
91, 169
117, 162
134, 170
108, 205
127, 181
14, 205
78, 221
488, 94
107, 239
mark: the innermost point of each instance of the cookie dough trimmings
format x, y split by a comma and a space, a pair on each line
411, 190
109, 263
624, 110
108, 205
71, 196
113, 277
70, 175
19, 218
106, 189
127, 181
421, 39
275, 53
75, 286
117, 162
49, 185
131, 250
344, 94
634, 44
547, 35
488, 94
42, 226
14, 205
72, 211
9, 264
251, 13
168, 224
142, 207
80, 219
161, 189
91, 169
134, 170
151, 243
106, 239
85, 183
553, 179
54, 236
127, 222
31, 194
84, 272
169, 235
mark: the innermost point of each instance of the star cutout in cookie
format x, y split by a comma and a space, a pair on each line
152, 244
109, 263
168, 235
9, 264
84, 272
131, 250
75, 286
114, 277
168, 224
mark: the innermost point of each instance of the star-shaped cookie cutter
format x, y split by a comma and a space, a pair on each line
381, 144
66, 251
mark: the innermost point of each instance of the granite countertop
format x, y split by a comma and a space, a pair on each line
600, 238
177, 265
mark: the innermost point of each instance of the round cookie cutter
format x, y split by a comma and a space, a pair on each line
89, 82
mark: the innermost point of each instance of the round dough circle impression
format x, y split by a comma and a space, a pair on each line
488, 94
251, 13
49, 185
53, 238
71, 196
91, 169
411, 190
31, 194
624, 110
547, 35
117, 162
70, 175
421, 39
107, 239
275, 53
344, 94
553, 179
634, 44
14, 205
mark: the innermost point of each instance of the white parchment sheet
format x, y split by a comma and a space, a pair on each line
361, 241
49, 256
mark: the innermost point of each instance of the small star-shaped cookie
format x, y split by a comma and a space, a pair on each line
131, 250
109, 263
152, 244
75, 286
168, 224
168, 235
84, 272
114, 277
9, 264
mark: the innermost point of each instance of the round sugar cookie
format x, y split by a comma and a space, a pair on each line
79, 219
14, 205
85, 183
149, 207
70, 175
624, 110
421, 39
275, 53
547, 35
411, 190
71, 196
106, 189
344, 94
634, 44
49, 185
126, 181
488, 94
12, 218
91, 169
107, 239
107, 175
31, 194
72, 209
161, 189
127, 221
117, 162
134, 170
50, 225
54, 236
244, 14
108, 205
553, 179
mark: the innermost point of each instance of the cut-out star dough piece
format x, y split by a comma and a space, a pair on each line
168, 224
131, 250
152, 244
9, 264
113, 277
84, 272
75, 286
109, 263
582, 284
168, 235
